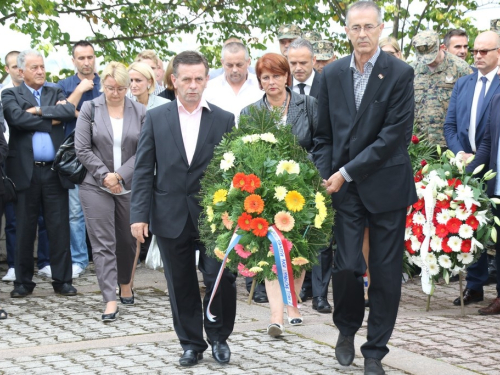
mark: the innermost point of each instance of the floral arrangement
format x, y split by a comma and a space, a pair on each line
450, 224
421, 151
261, 178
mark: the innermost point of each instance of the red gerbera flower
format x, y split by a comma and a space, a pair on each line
466, 245
421, 238
473, 208
417, 229
454, 182
252, 183
408, 247
453, 225
441, 231
444, 245
473, 222
409, 220
239, 180
259, 226
418, 205
244, 221
445, 203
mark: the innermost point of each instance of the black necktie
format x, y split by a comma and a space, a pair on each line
301, 88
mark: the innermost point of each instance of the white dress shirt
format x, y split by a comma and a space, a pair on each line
308, 82
220, 93
190, 126
473, 111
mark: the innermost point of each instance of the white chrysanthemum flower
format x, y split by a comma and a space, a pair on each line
465, 231
229, 156
408, 233
225, 165
280, 192
441, 197
436, 243
419, 218
455, 243
433, 269
250, 138
445, 261
292, 167
415, 243
431, 258
417, 261
443, 217
465, 258
462, 214
268, 137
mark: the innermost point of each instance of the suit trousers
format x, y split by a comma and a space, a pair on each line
318, 279
178, 255
386, 264
107, 217
45, 190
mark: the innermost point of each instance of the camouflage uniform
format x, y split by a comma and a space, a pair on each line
289, 32
433, 88
323, 50
312, 36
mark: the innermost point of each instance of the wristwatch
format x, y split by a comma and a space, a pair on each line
38, 110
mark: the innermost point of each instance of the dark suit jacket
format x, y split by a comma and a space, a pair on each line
315, 85
456, 126
96, 152
166, 199
23, 125
371, 143
487, 153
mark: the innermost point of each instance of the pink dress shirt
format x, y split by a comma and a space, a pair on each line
190, 126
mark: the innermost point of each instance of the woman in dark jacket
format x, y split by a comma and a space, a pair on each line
300, 111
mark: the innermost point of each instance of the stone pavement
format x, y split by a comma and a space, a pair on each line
46, 333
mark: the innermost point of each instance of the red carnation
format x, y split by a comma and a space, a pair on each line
423, 163
453, 225
445, 203
441, 231
244, 221
455, 182
414, 139
445, 247
417, 230
466, 245
473, 222
418, 205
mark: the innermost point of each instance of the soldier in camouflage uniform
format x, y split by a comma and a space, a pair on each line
311, 36
436, 72
286, 35
323, 50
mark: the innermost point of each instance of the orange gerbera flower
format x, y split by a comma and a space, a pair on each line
228, 223
239, 181
252, 183
244, 221
259, 226
254, 203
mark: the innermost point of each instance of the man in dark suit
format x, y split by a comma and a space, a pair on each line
365, 119
178, 140
466, 123
301, 59
35, 113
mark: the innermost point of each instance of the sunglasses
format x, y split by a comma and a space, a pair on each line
482, 52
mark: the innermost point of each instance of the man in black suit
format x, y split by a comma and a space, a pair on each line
365, 119
35, 114
301, 59
178, 140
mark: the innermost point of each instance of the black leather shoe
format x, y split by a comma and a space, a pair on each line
221, 351
470, 296
126, 300
305, 294
321, 304
20, 291
65, 289
373, 366
260, 297
190, 358
344, 350
110, 317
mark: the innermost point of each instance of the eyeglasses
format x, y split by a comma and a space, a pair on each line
482, 52
120, 90
368, 28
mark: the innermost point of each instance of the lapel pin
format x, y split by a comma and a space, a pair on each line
380, 76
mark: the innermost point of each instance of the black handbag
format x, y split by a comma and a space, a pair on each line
66, 162
10, 195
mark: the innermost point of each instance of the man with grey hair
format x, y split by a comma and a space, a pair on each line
301, 59
237, 87
35, 114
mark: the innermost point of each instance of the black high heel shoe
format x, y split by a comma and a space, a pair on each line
126, 300
110, 317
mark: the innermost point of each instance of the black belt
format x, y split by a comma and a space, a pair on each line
44, 163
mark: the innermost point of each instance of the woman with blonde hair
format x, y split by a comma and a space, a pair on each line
390, 45
106, 137
142, 85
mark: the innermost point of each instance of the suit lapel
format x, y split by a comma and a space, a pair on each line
105, 118
175, 128
345, 77
28, 96
315, 85
495, 83
127, 117
205, 126
470, 86
374, 83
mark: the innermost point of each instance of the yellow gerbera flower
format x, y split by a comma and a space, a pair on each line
294, 201
255, 269
299, 261
262, 263
220, 196
210, 214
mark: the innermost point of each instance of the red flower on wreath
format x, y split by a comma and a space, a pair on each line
239, 180
408, 247
418, 205
445, 203
418, 176
472, 222
244, 221
417, 230
252, 183
259, 227
466, 245
409, 220
254, 203
455, 182
414, 139
445, 247
423, 163
472, 208
453, 225
441, 231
